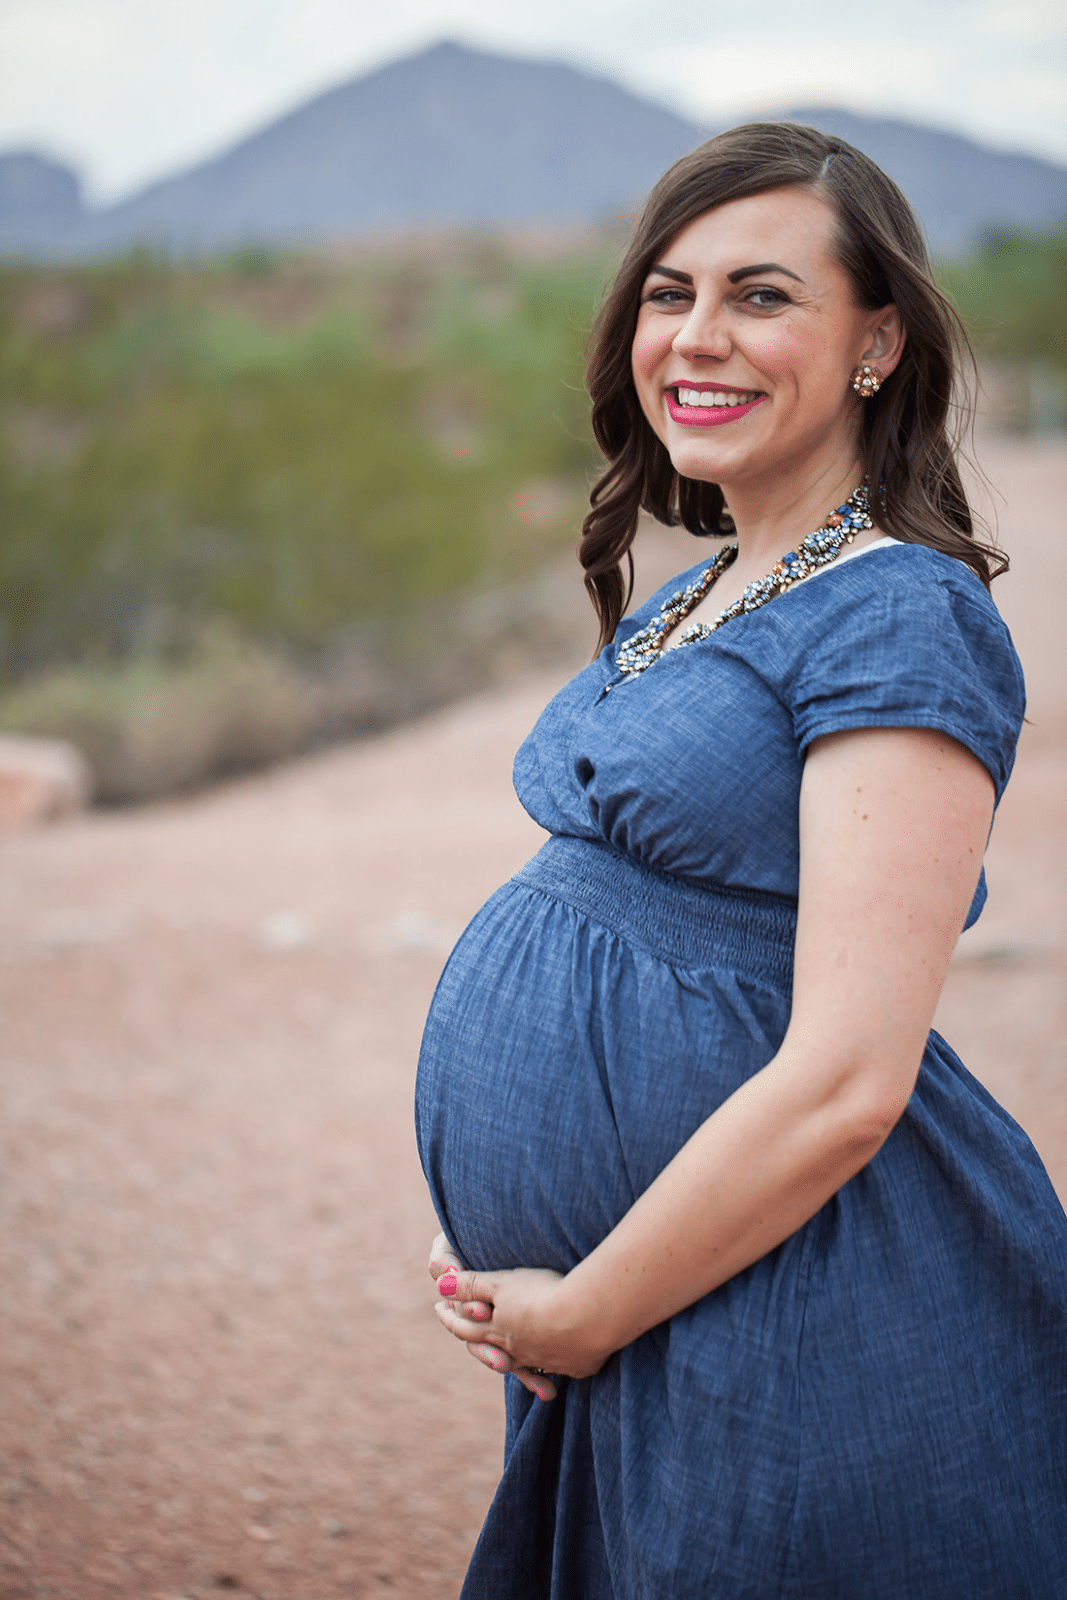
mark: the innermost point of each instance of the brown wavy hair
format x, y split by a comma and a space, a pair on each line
905, 439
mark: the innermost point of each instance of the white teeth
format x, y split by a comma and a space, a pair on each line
717, 397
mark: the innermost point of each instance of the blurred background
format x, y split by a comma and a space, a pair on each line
291, 405
293, 455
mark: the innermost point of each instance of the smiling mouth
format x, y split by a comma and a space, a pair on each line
710, 408
713, 399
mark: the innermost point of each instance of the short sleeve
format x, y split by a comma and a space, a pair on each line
924, 647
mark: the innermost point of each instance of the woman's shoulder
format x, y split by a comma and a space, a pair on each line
915, 573
901, 636
920, 567
895, 594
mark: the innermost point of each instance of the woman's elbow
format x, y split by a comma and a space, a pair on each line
865, 1099
872, 1104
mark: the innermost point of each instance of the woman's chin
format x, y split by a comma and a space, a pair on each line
692, 460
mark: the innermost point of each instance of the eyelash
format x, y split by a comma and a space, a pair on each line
663, 297
671, 296
777, 297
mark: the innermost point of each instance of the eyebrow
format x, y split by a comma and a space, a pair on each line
732, 277
762, 266
669, 272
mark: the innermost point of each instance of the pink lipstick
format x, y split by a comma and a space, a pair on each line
709, 416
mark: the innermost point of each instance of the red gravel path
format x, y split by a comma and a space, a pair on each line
219, 1368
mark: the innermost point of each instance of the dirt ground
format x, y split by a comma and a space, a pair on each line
219, 1368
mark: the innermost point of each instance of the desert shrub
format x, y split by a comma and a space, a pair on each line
1013, 295
290, 447
148, 728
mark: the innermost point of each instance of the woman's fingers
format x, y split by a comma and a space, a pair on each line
474, 1310
474, 1291
536, 1382
454, 1319
497, 1361
448, 1284
446, 1269
489, 1356
443, 1257
466, 1300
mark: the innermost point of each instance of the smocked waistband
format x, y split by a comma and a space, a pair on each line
694, 925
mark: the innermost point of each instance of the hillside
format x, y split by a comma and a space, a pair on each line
451, 137
455, 138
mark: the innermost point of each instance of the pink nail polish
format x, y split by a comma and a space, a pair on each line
448, 1283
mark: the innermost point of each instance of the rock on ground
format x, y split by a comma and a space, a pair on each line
219, 1365
41, 780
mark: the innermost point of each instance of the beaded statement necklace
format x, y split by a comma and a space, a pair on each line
815, 550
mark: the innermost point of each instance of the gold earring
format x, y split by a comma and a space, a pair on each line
866, 381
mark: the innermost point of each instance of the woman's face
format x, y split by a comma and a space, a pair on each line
747, 337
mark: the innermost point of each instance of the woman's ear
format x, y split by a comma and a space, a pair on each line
885, 340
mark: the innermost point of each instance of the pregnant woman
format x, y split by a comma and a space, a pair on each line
782, 1292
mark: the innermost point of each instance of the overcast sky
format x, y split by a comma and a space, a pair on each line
128, 90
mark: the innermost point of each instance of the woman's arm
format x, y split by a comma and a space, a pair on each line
893, 825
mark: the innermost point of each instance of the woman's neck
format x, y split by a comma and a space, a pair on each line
771, 518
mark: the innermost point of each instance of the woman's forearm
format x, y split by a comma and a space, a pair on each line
754, 1172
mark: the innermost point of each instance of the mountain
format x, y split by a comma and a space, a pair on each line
454, 137
448, 138
451, 137
40, 204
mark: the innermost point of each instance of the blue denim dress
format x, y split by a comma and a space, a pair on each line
876, 1410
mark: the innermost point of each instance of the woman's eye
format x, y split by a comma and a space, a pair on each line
766, 296
667, 297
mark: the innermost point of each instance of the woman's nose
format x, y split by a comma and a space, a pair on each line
703, 333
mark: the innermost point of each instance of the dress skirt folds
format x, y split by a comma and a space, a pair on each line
877, 1409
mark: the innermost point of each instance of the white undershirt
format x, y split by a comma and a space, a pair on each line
850, 552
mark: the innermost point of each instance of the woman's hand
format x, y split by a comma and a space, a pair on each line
512, 1321
520, 1322
445, 1264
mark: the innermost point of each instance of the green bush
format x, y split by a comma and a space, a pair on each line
291, 446
1012, 294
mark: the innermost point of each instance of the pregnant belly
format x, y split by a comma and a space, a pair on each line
562, 1068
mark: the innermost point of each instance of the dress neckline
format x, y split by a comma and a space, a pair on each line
817, 549
886, 542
